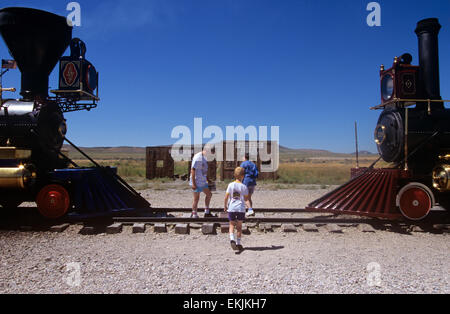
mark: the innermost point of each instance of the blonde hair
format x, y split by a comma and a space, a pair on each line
239, 172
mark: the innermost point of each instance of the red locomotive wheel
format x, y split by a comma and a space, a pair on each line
53, 201
415, 201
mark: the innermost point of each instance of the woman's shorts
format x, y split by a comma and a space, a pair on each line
201, 188
236, 216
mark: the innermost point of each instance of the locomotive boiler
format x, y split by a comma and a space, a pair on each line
412, 134
33, 128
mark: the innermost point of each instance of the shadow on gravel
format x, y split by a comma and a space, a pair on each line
261, 248
409, 229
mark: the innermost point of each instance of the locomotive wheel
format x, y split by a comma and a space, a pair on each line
53, 201
415, 201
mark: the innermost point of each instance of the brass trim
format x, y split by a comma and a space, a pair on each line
406, 138
407, 102
14, 153
377, 141
15, 178
8, 89
441, 176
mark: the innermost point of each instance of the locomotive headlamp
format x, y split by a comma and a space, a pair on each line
400, 81
387, 86
77, 76
441, 178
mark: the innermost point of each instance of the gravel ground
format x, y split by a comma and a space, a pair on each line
283, 198
276, 262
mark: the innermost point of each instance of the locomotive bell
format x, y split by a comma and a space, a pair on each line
441, 175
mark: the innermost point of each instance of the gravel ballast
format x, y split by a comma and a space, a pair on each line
273, 262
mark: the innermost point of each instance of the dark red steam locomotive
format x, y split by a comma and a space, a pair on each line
413, 134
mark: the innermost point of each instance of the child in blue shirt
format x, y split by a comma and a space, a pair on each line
251, 174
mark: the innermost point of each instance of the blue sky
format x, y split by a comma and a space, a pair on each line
310, 67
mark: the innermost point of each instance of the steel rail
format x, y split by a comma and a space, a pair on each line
314, 220
155, 215
218, 210
434, 214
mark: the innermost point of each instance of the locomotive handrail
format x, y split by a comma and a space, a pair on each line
398, 164
81, 93
68, 159
411, 101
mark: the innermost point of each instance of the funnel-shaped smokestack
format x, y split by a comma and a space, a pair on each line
36, 40
427, 31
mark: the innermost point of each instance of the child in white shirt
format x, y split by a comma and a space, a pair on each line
236, 200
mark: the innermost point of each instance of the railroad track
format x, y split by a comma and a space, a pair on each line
140, 219
317, 220
220, 210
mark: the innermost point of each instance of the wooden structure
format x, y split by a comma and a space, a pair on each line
159, 162
226, 168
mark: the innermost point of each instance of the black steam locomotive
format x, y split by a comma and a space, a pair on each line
33, 129
418, 136
413, 134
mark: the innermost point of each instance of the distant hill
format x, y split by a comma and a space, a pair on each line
121, 152
365, 152
305, 152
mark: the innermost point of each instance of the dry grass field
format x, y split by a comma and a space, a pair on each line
297, 167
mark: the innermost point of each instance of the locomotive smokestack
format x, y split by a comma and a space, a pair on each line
427, 32
36, 40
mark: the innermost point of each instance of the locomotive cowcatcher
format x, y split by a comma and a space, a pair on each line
33, 128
